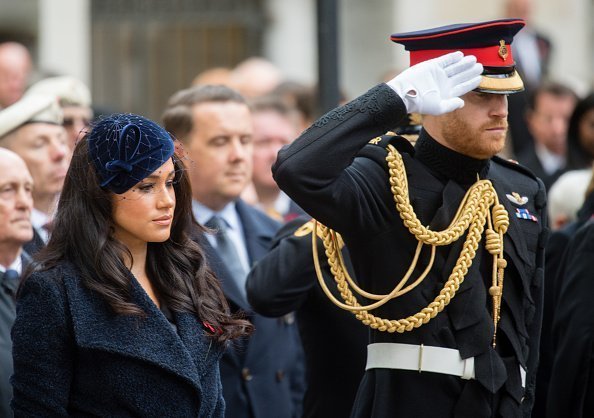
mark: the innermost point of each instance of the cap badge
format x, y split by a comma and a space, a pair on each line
515, 197
502, 50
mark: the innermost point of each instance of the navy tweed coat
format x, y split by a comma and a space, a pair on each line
74, 357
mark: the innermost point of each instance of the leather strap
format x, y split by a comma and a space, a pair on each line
422, 358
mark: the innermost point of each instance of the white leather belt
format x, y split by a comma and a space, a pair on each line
423, 358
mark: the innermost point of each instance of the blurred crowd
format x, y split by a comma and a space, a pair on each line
231, 123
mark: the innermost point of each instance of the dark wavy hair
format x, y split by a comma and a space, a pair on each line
577, 155
83, 235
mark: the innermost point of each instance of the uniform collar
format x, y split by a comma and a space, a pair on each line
448, 164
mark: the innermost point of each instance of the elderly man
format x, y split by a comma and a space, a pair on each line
32, 128
16, 203
455, 316
264, 376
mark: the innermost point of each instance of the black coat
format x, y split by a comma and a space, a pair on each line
320, 172
555, 271
571, 385
263, 377
74, 357
285, 281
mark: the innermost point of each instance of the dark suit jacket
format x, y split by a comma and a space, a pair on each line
36, 244
263, 376
285, 281
7, 315
352, 195
74, 357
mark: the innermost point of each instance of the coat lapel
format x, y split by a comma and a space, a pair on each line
203, 350
257, 239
151, 339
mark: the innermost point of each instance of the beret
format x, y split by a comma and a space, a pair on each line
30, 109
70, 91
127, 148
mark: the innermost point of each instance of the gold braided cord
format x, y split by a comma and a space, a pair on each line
337, 267
479, 207
397, 290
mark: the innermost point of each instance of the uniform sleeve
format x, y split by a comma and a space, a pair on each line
312, 170
279, 283
42, 350
572, 370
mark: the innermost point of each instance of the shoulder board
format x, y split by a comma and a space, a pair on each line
390, 138
514, 165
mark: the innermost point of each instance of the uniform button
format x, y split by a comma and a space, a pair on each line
280, 375
245, 373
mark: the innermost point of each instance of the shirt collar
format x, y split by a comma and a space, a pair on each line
228, 214
550, 162
16, 265
38, 218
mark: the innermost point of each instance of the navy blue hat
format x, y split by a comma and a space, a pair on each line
489, 41
127, 148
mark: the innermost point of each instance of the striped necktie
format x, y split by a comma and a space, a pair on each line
228, 252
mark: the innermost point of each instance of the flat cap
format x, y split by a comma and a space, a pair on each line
489, 41
127, 148
70, 91
30, 109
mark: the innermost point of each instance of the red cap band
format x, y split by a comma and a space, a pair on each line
491, 56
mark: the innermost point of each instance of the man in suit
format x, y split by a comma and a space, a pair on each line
16, 203
532, 53
448, 238
549, 109
32, 128
264, 376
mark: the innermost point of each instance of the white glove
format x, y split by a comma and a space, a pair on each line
433, 87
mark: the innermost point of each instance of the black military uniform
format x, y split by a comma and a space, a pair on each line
352, 195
